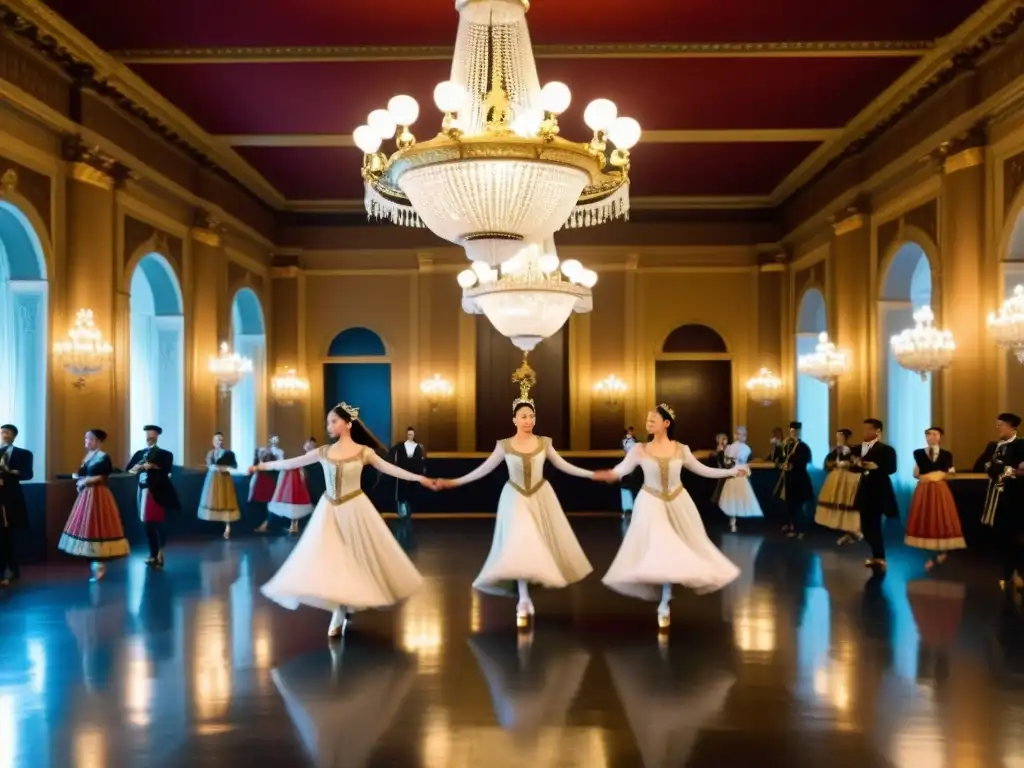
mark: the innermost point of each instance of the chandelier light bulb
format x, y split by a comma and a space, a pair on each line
449, 96
588, 278
367, 139
382, 122
1007, 326
923, 348
404, 109
467, 278
555, 97
624, 132
572, 269
527, 123
548, 263
600, 114
481, 268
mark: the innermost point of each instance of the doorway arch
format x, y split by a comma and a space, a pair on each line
358, 371
24, 331
157, 342
248, 398
905, 398
812, 398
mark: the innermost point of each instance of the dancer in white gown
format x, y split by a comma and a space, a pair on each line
737, 498
346, 560
533, 541
666, 542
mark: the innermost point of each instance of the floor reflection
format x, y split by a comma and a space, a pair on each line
802, 661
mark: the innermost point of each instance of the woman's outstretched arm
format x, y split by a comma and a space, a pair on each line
491, 464
294, 463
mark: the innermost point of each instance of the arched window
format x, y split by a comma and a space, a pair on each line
906, 398
157, 366
812, 395
693, 374
23, 333
248, 398
359, 373
1013, 275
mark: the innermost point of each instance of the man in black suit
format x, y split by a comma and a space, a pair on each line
875, 461
156, 494
1000, 461
794, 484
15, 468
411, 456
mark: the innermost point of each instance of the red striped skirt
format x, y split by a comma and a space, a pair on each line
933, 523
94, 528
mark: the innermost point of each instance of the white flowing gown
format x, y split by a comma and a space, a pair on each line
533, 540
737, 498
666, 542
346, 556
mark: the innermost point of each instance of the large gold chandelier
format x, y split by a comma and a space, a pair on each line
498, 179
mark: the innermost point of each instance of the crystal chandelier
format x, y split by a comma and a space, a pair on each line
611, 389
765, 387
288, 387
83, 353
923, 348
229, 367
826, 363
498, 174
531, 296
1007, 327
436, 390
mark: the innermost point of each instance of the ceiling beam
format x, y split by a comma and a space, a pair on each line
744, 136
341, 53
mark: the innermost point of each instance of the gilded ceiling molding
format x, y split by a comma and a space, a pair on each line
345, 53
91, 165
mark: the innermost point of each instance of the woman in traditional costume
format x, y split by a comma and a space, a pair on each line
346, 560
94, 529
219, 502
291, 496
737, 498
836, 508
262, 484
533, 542
933, 523
666, 542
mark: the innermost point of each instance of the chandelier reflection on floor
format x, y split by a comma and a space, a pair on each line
923, 348
1007, 326
826, 364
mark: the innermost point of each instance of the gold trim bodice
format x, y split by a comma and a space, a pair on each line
342, 476
526, 461
666, 492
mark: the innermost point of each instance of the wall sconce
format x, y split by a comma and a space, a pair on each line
436, 390
611, 389
84, 353
764, 388
288, 387
228, 368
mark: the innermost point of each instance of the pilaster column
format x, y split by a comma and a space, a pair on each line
210, 321
851, 301
772, 288
291, 423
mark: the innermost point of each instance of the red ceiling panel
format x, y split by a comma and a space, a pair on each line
121, 24
310, 173
695, 94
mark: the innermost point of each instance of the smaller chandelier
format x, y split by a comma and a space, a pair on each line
765, 387
611, 389
531, 297
923, 348
84, 353
1007, 327
228, 368
826, 363
436, 390
289, 387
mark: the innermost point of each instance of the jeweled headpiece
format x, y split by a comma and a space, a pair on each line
526, 379
667, 409
351, 410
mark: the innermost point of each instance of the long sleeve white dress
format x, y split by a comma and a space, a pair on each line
347, 557
533, 540
737, 498
666, 542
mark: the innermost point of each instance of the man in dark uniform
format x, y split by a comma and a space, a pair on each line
15, 467
794, 486
411, 456
1004, 501
875, 461
156, 494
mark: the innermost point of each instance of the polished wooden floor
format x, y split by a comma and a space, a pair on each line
803, 662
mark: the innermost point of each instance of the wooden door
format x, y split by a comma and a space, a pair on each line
700, 392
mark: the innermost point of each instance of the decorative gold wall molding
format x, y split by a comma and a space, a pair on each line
343, 53
285, 272
9, 182
87, 174
968, 158
849, 224
91, 165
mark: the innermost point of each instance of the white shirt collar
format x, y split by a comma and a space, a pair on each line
1009, 439
868, 445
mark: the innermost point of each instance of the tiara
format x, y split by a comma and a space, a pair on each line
351, 410
525, 378
667, 409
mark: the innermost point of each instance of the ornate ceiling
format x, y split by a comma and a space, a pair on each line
741, 101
